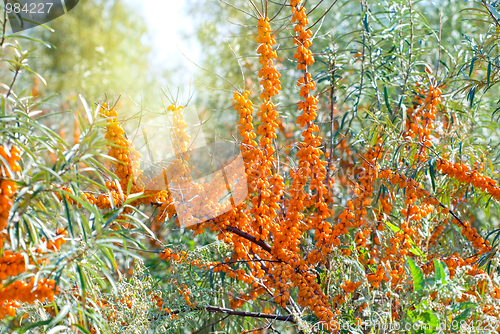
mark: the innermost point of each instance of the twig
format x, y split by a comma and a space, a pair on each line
257, 329
214, 309
246, 261
322, 16
363, 56
241, 10
12, 84
264, 245
440, 40
211, 324
4, 26
332, 109
491, 14
408, 70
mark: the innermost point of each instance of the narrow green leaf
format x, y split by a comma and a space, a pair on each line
88, 111
432, 173
471, 95
417, 274
365, 22
81, 276
386, 98
80, 327
472, 66
488, 75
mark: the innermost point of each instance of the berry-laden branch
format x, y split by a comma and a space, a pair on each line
264, 245
214, 309
288, 318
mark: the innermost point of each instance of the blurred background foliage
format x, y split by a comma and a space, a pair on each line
99, 48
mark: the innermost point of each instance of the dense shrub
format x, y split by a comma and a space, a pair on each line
363, 196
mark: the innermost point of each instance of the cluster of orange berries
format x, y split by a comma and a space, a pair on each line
127, 167
437, 232
416, 212
385, 203
127, 161
11, 264
311, 295
346, 219
311, 165
364, 186
67, 191
413, 211
103, 201
160, 304
412, 186
376, 278
253, 294
299, 17
158, 186
463, 174
270, 76
467, 230
55, 244
169, 255
12, 159
308, 106
243, 105
352, 215
250, 153
281, 274
256, 164
127, 170
165, 211
185, 292
268, 186
399, 244
190, 197
421, 117
286, 243
22, 292
453, 262
9, 308
180, 137
267, 129
7, 187
350, 287
483, 246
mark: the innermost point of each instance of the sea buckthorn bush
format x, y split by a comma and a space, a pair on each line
368, 201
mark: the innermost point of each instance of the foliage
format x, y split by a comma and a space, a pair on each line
102, 47
369, 184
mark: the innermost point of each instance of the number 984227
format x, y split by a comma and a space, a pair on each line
31, 8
